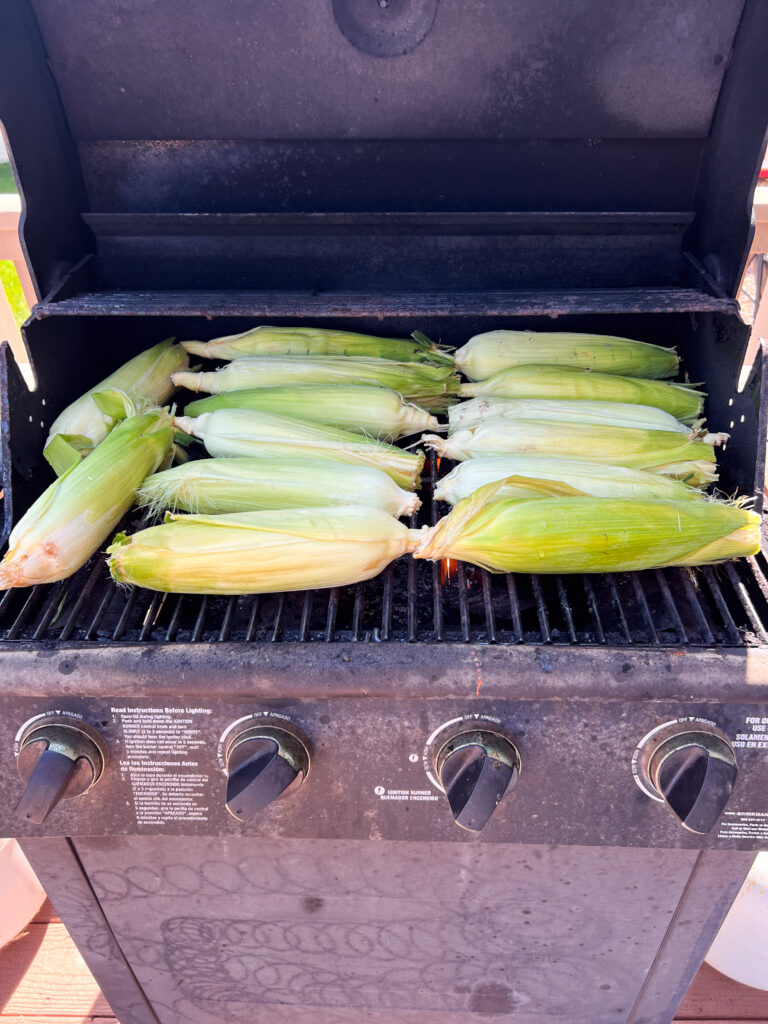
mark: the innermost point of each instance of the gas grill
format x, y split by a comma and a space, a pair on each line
381, 167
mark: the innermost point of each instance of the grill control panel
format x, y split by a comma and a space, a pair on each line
519, 771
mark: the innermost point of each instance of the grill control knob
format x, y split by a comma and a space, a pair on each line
58, 760
693, 769
476, 768
264, 762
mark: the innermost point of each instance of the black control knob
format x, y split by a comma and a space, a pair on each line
476, 768
694, 771
58, 760
264, 763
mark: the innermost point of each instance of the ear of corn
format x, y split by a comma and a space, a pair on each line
376, 412
592, 478
617, 414
662, 451
215, 486
562, 382
145, 379
230, 432
432, 387
78, 511
487, 354
585, 534
319, 341
261, 552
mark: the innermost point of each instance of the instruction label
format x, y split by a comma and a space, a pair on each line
744, 825
408, 795
161, 764
755, 734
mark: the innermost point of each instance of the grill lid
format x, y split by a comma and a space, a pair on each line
153, 121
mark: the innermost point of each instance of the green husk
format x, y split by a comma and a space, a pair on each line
585, 534
487, 354
215, 486
229, 432
662, 451
682, 401
261, 552
79, 510
433, 387
617, 414
375, 412
142, 382
591, 478
315, 341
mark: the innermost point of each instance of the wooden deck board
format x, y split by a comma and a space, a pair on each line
712, 996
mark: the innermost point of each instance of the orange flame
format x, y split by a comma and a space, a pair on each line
446, 565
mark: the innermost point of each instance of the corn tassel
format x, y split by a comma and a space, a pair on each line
261, 552
215, 486
487, 354
432, 387
591, 478
230, 432
317, 341
144, 381
561, 382
375, 412
617, 414
584, 534
76, 514
662, 451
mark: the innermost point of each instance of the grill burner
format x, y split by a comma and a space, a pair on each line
724, 605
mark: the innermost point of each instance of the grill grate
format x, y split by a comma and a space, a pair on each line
415, 602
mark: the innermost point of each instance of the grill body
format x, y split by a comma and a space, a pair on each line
588, 169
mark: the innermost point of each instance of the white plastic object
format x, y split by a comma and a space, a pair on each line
740, 949
21, 895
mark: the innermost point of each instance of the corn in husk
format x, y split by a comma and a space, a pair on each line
584, 534
487, 354
662, 451
316, 341
561, 382
576, 475
215, 486
617, 414
433, 387
376, 412
230, 432
142, 382
261, 552
76, 514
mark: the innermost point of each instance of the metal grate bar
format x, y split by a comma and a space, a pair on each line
671, 607
593, 609
566, 607
357, 612
461, 581
306, 616
173, 625
84, 593
250, 632
693, 601
386, 604
5, 600
437, 583
126, 614
717, 595
226, 625
746, 602
34, 596
490, 620
514, 609
541, 610
412, 596
197, 632
330, 620
642, 601
150, 615
619, 607
277, 628
50, 609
